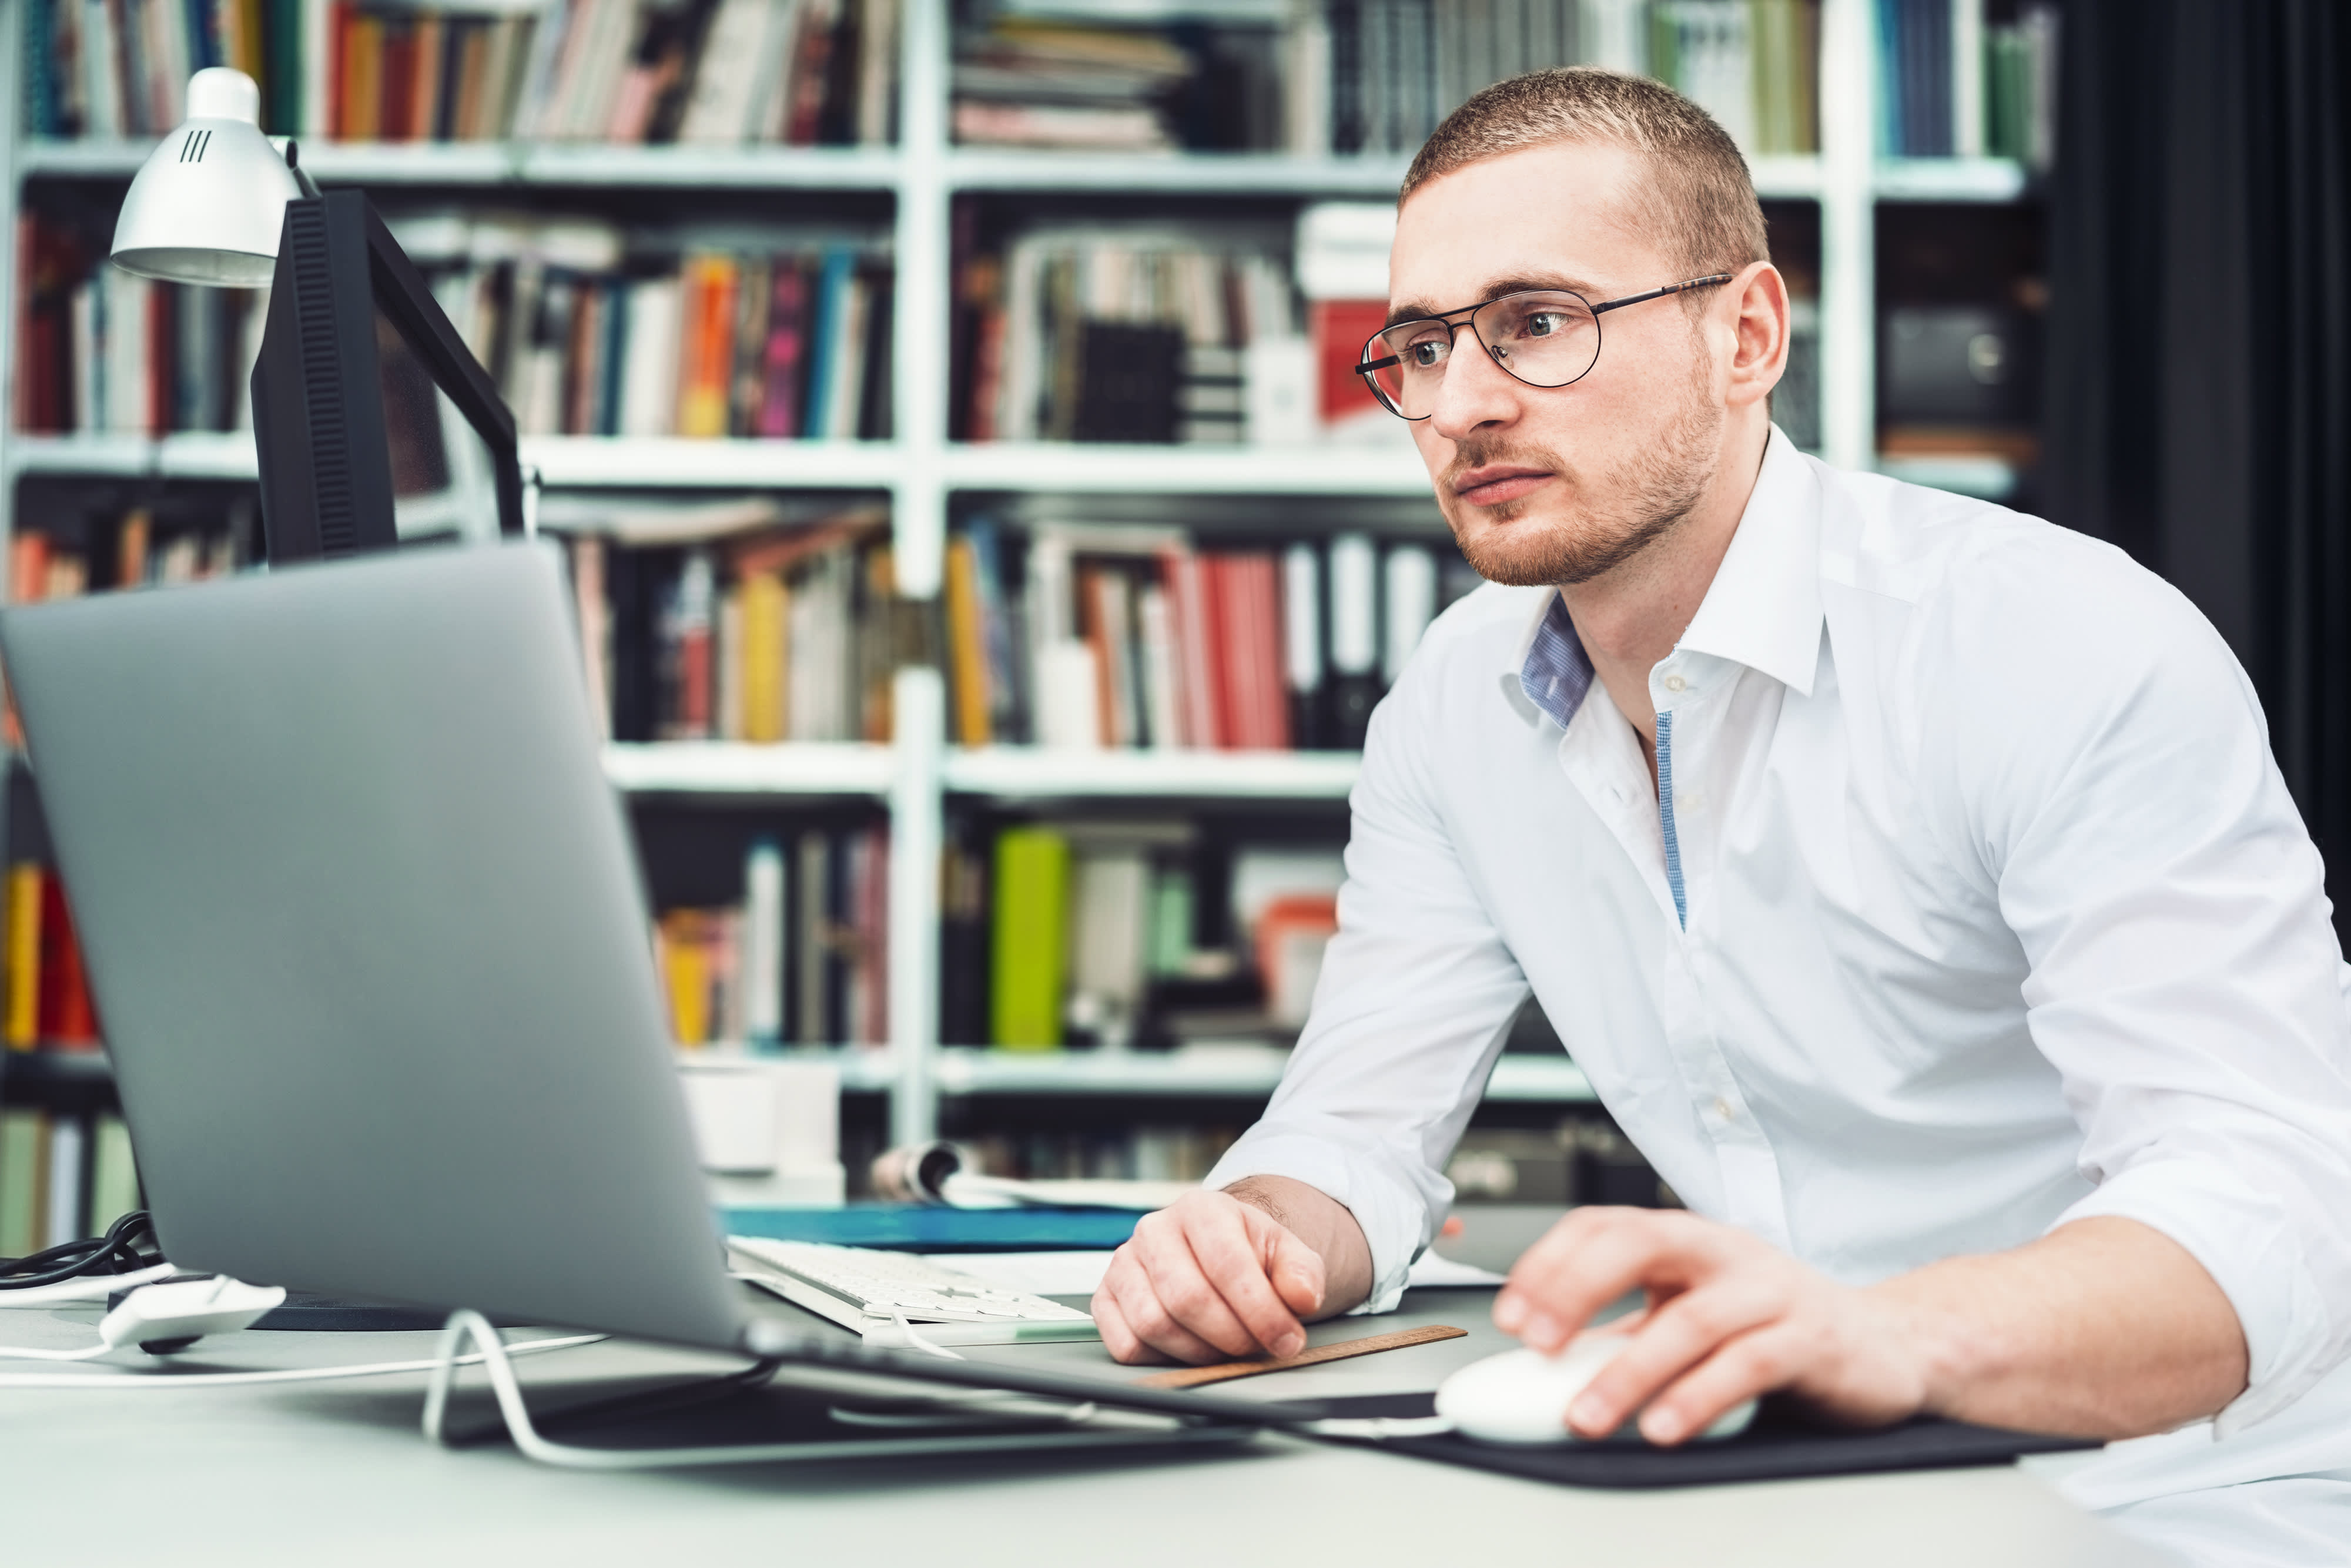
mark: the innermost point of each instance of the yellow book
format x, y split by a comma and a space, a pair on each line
767, 607
685, 967
24, 955
966, 658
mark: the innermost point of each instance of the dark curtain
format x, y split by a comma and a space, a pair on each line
2200, 353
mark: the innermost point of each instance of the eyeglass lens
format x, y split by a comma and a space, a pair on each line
1544, 339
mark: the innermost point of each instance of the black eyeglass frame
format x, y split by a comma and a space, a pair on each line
1366, 366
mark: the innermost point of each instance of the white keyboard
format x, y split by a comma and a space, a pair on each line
880, 1294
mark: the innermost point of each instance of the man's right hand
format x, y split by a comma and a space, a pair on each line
1209, 1278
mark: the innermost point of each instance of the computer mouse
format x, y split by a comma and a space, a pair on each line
1521, 1396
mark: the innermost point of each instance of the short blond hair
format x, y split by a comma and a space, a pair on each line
1701, 201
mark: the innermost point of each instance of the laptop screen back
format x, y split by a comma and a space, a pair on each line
367, 940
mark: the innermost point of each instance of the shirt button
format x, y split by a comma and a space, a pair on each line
1675, 683
1723, 1108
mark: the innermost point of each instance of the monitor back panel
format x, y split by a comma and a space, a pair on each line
367, 939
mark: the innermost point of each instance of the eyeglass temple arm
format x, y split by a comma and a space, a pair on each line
1707, 282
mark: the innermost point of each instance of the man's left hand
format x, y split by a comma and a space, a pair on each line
1730, 1318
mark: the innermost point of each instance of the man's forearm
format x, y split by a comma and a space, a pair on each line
1325, 1225
2104, 1328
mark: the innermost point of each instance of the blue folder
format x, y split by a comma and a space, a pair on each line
917, 1227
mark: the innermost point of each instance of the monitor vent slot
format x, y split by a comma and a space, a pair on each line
322, 379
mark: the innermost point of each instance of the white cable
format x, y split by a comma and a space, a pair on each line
917, 1340
159, 1378
86, 1287
87, 1352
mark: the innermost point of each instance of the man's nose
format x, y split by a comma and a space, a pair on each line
1475, 392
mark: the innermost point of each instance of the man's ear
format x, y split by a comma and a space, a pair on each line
1759, 349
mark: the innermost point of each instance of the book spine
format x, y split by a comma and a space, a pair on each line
23, 954
1030, 938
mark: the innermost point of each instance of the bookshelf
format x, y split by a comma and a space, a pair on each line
917, 779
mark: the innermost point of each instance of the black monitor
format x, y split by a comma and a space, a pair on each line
374, 421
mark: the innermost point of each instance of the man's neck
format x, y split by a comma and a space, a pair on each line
1630, 618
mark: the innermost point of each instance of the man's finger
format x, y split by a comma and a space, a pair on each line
1296, 1269
1191, 1275
1137, 1298
1231, 1244
1747, 1367
1117, 1338
1580, 1267
1678, 1336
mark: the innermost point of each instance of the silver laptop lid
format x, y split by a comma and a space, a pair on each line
368, 940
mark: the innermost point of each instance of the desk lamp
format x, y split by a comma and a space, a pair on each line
208, 204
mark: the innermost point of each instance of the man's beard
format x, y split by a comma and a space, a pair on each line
1615, 516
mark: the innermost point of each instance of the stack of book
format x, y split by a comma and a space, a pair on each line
802, 959
707, 72
1115, 635
1097, 933
62, 1178
587, 337
732, 624
1028, 82
1952, 83
1144, 335
99, 350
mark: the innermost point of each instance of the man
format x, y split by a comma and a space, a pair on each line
1911, 879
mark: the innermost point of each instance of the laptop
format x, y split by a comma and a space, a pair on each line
363, 923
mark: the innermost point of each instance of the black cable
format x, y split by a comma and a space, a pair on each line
115, 1252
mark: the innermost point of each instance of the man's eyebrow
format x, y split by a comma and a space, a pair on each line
1417, 309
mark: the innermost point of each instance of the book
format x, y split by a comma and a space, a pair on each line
1030, 942
24, 955
24, 1181
113, 1172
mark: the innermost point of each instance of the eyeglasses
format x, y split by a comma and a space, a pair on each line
1543, 336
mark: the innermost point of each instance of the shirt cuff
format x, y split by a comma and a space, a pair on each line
2247, 1242
1343, 1162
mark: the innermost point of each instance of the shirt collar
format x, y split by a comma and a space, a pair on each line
1762, 608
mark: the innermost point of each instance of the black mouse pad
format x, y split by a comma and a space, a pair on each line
1782, 1445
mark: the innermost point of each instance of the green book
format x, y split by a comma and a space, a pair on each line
1031, 942
114, 1178
23, 1163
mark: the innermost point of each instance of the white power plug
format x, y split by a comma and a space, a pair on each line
166, 1317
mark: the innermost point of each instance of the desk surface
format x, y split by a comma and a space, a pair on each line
337, 1472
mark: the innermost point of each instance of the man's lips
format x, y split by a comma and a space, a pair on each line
1498, 483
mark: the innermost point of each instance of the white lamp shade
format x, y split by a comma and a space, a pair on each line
207, 204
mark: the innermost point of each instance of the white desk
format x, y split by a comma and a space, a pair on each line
337, 1474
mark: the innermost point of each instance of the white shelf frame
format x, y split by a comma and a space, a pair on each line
921, 472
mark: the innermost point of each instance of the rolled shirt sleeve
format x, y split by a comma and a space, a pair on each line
2185, 977
1415, 999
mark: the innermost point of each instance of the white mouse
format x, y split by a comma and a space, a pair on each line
1521, 1395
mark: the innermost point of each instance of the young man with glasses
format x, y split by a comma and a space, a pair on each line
1911, 879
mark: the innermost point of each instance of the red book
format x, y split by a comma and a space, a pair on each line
1341, 328
67, 1014
1248, 636
1196, 647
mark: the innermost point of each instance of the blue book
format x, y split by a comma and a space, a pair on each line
918, 1228
824, 344
1889, 80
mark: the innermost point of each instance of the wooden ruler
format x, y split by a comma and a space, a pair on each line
1193, 1376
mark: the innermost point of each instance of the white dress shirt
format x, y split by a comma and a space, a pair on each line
1970, 902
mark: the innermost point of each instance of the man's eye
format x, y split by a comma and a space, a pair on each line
1543, 323
1426, 354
